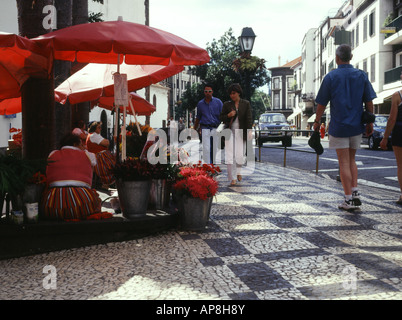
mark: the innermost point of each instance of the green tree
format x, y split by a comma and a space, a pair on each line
227, 67
260, 103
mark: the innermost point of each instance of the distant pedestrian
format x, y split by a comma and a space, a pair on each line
207, 118
322, 130
394, 125
236, 114
80, 130
347, 88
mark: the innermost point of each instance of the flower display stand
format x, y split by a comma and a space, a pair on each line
194, 213
133, 197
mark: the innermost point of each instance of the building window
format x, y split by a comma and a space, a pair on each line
357, 35
276, 83
352, 39
372, 74
277, 104
372, 24
365, 29
365, 65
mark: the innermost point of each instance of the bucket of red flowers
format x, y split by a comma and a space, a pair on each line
195, 186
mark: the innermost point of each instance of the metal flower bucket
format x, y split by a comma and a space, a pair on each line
159, 196
195, 213
133, 197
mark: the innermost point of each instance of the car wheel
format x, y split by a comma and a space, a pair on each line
372, 144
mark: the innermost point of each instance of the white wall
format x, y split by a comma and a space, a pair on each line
130, 10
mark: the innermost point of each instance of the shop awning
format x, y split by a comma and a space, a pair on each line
385, 95
294, 114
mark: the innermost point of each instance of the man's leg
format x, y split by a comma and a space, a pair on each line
345, 170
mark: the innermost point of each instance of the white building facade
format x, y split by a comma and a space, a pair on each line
359, 23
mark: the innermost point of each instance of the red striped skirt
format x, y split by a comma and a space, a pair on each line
105, 165
68, 203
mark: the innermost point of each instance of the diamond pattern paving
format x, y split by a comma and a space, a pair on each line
276, 235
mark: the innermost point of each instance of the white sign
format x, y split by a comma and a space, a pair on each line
120, 90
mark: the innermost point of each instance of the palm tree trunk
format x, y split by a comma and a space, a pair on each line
62, 70
80, 111
37, 95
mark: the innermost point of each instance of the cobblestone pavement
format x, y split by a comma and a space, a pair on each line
276, 235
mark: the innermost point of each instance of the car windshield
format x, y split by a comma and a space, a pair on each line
271, 118
381, 121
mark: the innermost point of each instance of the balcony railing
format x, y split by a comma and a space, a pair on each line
397, 23
392, 75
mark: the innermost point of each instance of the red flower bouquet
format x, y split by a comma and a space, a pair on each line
196, 182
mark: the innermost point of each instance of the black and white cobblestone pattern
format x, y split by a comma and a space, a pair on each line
278, 234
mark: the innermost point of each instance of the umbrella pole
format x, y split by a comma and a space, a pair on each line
115, 125
117, 135
123, 134
135, 117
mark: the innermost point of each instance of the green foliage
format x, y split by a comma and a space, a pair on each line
220, 71
15, 173
95, 17
260, 102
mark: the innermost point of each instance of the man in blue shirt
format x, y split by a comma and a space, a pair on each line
208, 118
347, 89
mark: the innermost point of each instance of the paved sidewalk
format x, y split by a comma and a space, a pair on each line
276, 235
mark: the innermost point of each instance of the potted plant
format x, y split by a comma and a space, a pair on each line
195, 187
133, 182
16, 175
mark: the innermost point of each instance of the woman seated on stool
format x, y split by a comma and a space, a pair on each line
68, 195
105, 160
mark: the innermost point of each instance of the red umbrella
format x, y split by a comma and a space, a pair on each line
104, 42
10, 106
142, 106
96, 80
21, 58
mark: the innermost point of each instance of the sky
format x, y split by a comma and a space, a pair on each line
280, 25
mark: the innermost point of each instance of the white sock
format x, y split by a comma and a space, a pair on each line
348, 197
355, 189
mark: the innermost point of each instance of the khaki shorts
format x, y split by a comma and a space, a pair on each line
345, 143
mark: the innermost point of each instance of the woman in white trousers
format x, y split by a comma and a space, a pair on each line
236, 114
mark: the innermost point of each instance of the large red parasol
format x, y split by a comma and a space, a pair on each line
96, 80
104, 42
21, 58
10, 106
142, 106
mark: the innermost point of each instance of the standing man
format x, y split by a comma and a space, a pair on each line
208, 118
347, 89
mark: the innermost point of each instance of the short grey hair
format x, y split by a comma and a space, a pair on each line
344, 52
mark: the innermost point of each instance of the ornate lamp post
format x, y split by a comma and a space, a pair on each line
246, 41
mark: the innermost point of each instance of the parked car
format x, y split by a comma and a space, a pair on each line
271, 127
373, 141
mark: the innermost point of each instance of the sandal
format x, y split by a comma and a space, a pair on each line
399, 200
239, 177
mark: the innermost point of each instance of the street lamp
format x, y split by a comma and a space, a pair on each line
246, 40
